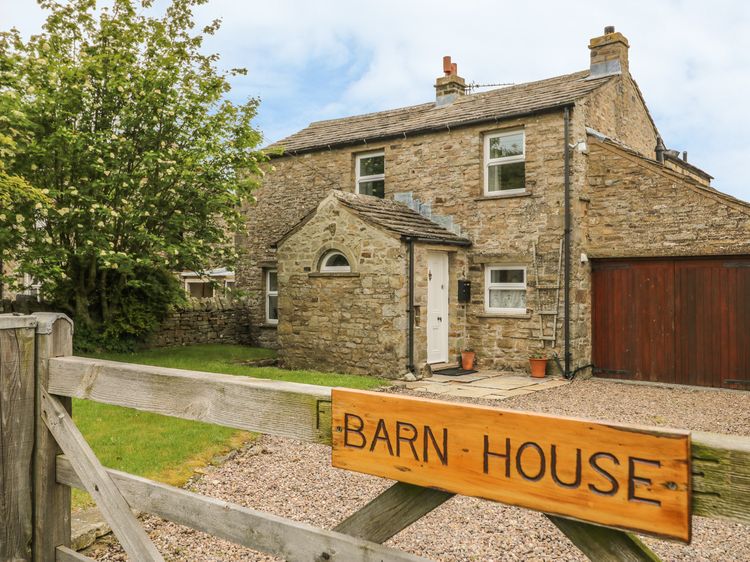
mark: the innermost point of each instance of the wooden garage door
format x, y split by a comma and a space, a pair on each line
684, 321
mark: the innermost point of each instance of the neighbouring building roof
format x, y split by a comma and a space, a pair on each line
216, 272
392, 216
502, 103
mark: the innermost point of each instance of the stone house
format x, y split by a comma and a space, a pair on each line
542, 219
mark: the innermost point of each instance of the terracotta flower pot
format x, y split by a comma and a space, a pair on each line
467, 360
538, 368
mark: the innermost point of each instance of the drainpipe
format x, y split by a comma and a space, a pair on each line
566, 242
410, 306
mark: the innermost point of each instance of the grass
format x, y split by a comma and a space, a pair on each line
171, 449
228, 359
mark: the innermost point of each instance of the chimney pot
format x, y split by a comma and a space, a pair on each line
609, 29
660, 150
447, 66
454, 69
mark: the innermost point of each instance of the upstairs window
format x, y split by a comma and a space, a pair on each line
504, 160
272, 297
370, 171
505, 290
334, 262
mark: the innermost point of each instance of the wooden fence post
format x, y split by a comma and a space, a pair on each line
54, 338
16, 435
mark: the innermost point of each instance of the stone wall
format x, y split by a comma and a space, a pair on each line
345, 322
618, 110
639, 208
219, 320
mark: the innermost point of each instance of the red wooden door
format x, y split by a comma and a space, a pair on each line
633, 313
712, 322
677, 321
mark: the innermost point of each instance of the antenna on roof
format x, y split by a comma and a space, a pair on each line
474, 85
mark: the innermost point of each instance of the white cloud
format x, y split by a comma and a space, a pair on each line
329, 58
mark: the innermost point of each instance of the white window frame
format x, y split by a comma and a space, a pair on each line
269, 293
513, 286
334, 268
375, 177
504, 160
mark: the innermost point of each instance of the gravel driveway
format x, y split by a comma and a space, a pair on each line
296, 480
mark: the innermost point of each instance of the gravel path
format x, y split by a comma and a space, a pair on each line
296, 480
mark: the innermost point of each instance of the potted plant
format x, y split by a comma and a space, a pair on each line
467, 360
538, 367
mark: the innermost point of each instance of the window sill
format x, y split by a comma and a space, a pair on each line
503, 196
269, 325
333, 274
511, 315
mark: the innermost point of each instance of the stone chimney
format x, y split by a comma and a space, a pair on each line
450, 86
609, 53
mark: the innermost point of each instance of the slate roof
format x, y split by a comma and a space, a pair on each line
392, 216
502, 103
397, 218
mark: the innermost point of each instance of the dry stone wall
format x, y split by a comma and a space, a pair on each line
200, 321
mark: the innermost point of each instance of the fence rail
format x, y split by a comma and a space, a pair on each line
720, 463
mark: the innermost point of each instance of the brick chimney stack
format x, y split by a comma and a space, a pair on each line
449, 86
609, 53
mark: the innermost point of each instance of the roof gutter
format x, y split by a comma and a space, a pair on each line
424, 130
423, 240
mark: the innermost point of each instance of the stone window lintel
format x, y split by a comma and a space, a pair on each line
333, 274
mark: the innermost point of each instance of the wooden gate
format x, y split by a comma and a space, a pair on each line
684, 321
38, 377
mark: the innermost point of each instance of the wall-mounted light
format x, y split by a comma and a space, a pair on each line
581, 147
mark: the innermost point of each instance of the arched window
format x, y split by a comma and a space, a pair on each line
334, 262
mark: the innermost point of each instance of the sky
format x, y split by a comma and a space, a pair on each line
320, 59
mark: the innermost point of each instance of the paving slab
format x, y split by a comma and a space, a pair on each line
473, 377
440, 378
502, 383
434, 388
416, 385
469, 391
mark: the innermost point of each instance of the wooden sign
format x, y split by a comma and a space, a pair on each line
632, 478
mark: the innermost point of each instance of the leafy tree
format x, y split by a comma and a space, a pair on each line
122, 122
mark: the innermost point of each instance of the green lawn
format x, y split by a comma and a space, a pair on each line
170, 449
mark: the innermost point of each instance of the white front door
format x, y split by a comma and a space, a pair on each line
437, 307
